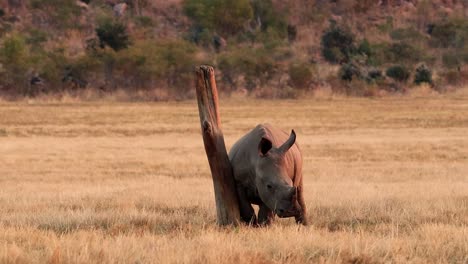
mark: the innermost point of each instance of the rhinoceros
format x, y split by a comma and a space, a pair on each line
267, 168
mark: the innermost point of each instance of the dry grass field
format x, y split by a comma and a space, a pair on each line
386, 181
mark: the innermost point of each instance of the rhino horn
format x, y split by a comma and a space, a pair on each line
289, 143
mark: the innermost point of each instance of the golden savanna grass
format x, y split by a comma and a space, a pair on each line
386, 180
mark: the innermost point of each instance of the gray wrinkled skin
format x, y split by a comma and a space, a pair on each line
267, 166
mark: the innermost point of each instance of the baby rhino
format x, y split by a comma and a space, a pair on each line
267, 166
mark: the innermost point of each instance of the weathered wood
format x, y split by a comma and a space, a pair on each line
227, 204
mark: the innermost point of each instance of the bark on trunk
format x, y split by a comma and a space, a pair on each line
227, 204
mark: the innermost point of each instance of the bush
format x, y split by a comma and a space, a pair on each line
405, 34
377, 54
423, 74
144, 21
365, 48
255, 66
300, 76
374, 74
223, 16
14, 59
398, 73
337, 44
402, 52
270, 19
200, 36
21, 63
348, 71
167, 63
351, 71
112, 34
36, 37
81, 70
387, 26
452, 33
62, 14
13, 50
451, 60
292, 33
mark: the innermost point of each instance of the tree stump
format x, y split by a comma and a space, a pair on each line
227, 202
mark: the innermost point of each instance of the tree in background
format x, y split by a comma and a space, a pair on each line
423, 75
112, 34
14, 61
300, 76
398, 73
225, 17
337, 44
269, 19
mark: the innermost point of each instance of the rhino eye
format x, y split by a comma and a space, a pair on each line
269, 186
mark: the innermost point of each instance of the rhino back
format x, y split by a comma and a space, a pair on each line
244, 154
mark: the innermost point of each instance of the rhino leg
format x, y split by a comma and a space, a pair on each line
247, 212
265, 215
302, 217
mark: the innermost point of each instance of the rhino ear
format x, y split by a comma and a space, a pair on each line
289, 143
264, 146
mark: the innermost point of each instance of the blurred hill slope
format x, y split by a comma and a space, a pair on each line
260, 47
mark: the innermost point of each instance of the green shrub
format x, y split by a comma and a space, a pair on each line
387, 26
337, 44
200, 36
422, 74
255, 66
112, 34
62, 14
402, 52
348, 71
452, 60
300, 75
452, 33
271, 39
443, 35
378, 54
365, 48
82, 70
223, 16
36, 37
144, 21
14, 55
292, 33
398, 73
49, 66
405, 34
352, 71
374, 74
13, 50
270, 19
168, 63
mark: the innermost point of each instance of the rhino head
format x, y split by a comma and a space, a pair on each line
273, 183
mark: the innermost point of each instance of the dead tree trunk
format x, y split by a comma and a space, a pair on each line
227, 204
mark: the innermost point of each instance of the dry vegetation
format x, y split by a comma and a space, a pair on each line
386, 181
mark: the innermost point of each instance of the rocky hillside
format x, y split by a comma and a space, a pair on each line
264, 48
